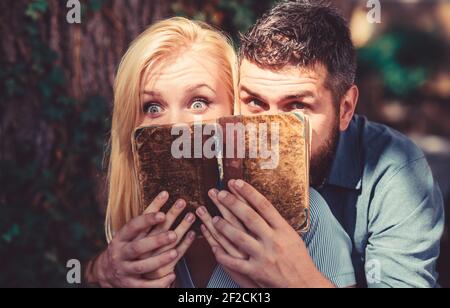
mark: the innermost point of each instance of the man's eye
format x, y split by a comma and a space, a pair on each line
199, 104
255, 103
296, 106
152, 109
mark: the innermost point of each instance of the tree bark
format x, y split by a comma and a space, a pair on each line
89, 52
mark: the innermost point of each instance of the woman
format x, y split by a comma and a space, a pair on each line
174, 72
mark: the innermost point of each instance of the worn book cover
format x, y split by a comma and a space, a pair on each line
271, 152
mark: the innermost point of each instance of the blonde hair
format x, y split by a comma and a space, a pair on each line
161, 42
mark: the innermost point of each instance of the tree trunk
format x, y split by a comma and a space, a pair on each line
90, 51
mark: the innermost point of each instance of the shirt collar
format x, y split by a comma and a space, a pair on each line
346, 168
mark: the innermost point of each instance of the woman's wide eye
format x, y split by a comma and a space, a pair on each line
152, 109
199, 105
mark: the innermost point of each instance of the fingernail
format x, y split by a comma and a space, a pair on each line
214, 249
160, 216
173, 254
239, 183
172, 236
180, 204
216, 220
162, 195
201, 211
190, 217
191, 235
222, 195
213, 192
203, 228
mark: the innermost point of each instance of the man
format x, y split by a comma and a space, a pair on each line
299, 57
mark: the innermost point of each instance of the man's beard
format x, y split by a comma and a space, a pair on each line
321, 162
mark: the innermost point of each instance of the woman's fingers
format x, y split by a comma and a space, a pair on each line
180, 231
181, 249
155, 206
150, 264
160, 283
137, 225
137, 248
226, 213
185, 244
206, 218
157, 203
171, 216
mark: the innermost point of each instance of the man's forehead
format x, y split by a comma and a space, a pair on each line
251, 73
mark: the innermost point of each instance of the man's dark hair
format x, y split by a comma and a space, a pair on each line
303, 33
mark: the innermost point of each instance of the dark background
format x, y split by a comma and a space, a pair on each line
56, 98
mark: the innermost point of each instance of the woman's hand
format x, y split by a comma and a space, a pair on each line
122, 264
181, 245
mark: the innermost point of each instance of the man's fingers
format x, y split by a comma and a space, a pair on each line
150, 264
245, 213
206, 218
208, 236
237, 265
139, 224
226, 213
235, 192
171, 216
137, 248
241, 279
241, 240
161, 283
259, 203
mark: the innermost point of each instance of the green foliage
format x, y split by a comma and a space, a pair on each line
36, 8
48, 201
403, 58
232, 16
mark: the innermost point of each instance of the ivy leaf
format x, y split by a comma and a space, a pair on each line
36, 8
12, 233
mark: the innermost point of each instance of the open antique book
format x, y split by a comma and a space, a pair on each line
270, 152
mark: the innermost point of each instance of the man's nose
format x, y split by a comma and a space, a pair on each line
273, 110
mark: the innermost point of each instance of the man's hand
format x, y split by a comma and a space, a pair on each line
144, 246
276, 256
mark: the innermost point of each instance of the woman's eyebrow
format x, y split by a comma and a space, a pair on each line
152, 93
198, 86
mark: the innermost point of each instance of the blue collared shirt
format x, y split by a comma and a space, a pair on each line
382, 191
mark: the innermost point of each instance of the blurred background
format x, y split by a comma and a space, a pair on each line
56, 98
